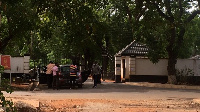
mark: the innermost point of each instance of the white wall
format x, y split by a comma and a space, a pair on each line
145, 67
17, 65
189, 63
132, 66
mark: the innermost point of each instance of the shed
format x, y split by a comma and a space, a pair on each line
125, 60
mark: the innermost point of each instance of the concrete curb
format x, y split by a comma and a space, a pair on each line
159, 85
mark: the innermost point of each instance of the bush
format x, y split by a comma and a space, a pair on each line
185, 76
5, 86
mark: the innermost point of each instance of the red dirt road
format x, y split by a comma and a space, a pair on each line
109, 97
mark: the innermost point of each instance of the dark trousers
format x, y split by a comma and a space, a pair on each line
72, 81
55, 82
49, 80
99, 79
95, 78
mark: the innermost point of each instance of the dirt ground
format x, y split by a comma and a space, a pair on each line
98, 105
112, 105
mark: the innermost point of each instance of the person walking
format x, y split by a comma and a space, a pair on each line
49, 74
73, 73
55, 82
95, 73
99, 75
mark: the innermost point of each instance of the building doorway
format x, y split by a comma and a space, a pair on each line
123, 68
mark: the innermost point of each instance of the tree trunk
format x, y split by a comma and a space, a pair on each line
172, 53
88, 59
171, 67
171, 70
172, 79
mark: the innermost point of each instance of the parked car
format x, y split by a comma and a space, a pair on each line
64, 76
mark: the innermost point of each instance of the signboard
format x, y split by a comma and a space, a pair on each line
5, 61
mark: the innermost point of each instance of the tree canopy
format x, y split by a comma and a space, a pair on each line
87, 29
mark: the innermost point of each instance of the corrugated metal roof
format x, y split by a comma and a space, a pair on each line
133, 49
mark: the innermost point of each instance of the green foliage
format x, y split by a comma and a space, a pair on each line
33, 64
166, 29
57, 30
66, 61
1, 69
51, 56
7, 104
69, 30
18, 19
154, 36
193, 38
5, 86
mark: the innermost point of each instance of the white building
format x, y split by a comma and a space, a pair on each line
131, 64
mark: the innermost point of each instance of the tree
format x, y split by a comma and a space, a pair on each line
170, 19
192, 33
17, 20
69, 25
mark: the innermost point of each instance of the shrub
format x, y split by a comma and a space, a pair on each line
5, 86
184, 76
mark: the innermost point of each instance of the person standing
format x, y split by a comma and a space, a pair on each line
55, 82
99, 75
73, 73
49, 74
95, 73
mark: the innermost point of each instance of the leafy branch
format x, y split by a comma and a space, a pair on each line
6, 104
